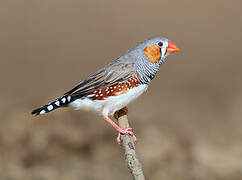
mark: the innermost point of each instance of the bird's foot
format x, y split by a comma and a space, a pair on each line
125, 109
125, 131
119, 129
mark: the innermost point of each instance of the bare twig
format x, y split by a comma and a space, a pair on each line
127, 143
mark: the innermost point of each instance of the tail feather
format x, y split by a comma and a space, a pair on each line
60, 102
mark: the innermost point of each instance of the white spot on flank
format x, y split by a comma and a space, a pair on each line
69, 98
108, 92
111, 90
57, 103
97, 95
50, 107
114, 87
95, 91
91, 95
101, 94
63, 99
42, 112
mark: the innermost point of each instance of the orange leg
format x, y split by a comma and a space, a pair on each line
120, 130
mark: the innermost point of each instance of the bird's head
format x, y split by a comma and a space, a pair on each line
157, 49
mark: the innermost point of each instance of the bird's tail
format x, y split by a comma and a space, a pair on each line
60, 102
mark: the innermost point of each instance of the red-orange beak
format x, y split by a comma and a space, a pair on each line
172, 47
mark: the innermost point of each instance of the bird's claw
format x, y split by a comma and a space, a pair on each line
126, 131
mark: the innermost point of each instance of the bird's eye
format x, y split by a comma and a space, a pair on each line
160, 44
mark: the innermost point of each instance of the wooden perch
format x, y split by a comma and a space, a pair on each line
128, 145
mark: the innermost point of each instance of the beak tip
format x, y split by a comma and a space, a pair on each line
172, 47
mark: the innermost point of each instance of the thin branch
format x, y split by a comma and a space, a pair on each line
127, 143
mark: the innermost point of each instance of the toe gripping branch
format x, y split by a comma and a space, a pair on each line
121, 131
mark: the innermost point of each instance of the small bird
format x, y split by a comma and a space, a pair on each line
117, 84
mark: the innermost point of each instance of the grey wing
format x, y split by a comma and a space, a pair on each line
117, 71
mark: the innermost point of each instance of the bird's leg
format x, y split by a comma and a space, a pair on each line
120, 130
125, 109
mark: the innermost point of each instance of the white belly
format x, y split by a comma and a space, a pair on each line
111, 104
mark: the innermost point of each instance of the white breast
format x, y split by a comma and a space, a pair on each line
111, 104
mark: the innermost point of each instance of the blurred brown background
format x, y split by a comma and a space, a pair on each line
188, 124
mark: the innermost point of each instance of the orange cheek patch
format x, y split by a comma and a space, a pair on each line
152, 53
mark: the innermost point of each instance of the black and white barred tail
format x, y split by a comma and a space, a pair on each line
60, 102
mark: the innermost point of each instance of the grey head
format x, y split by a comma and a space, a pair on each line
149, 55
